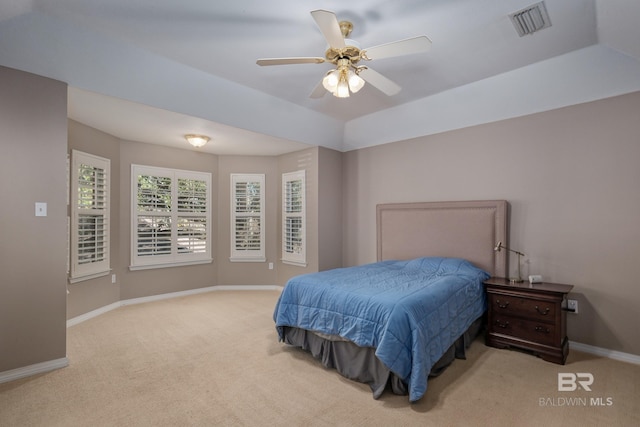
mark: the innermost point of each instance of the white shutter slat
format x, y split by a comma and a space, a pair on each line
293, 237
247, 217
90, 216
171, 217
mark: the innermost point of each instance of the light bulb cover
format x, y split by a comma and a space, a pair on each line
342, 91
355, 82
330, 81
197, 140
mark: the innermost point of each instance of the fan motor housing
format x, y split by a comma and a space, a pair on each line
350, 52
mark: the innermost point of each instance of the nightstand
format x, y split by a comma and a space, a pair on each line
529, 317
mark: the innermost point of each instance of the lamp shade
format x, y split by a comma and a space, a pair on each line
330, 81
355, 82
342, 91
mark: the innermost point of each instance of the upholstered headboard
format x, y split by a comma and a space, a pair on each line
468, 229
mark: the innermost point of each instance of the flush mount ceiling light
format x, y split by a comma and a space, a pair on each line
197, 140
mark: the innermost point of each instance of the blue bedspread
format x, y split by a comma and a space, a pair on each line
409, 311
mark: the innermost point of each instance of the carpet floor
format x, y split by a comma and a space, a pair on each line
214, 359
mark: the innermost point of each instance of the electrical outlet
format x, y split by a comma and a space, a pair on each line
572, 306
113, 278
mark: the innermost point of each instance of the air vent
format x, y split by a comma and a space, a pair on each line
533, 18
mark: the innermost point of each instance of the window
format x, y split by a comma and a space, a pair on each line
247, 218
171, 219
90, 194
293, 218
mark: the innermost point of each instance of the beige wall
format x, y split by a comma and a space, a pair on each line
247, 273
571, 177
306, 160
329, 208
92, 294
142, 283
33, 250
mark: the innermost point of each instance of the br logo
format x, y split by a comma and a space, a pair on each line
568, 381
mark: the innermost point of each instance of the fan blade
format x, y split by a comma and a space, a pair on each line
318, 91
330, 28
379, 81
288, 61
399, 48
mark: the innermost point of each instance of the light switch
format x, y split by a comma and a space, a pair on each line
41, 209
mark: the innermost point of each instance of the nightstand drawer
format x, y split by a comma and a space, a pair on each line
528, 330
525, 307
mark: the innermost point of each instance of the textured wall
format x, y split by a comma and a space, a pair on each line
571, 177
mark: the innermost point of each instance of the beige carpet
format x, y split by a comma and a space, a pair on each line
214, 359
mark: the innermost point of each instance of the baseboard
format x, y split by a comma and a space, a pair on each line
95, 313
603, 352
160, 297
38, 368
92, 314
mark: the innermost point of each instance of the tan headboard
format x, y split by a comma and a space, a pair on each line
468, 229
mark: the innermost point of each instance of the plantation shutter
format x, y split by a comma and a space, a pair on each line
192, 216
90, 198
293, 218
247, 217
154, 205
171, 217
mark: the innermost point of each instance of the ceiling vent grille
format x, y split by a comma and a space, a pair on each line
533, 18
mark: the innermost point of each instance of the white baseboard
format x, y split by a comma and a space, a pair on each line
92, 314
603, 352
95, 313
38, 368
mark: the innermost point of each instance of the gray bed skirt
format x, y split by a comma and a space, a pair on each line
361, 364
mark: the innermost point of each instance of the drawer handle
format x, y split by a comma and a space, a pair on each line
502, 325
505, 305
542, 329
543, 312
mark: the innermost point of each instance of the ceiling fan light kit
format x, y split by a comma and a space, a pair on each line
343, 79
345, 53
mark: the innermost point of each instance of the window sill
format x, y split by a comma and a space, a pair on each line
296, 263
82, 278
170, 264
247, 259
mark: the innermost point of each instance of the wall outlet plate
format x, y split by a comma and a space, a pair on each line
41, 209
572, 306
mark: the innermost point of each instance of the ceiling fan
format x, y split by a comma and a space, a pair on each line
345, 54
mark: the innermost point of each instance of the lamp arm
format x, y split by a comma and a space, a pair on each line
514, 251
499, 246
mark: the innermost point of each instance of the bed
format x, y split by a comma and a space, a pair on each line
393, 323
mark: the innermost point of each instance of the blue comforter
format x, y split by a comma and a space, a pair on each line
409, 311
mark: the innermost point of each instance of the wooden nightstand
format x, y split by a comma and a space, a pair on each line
529, 317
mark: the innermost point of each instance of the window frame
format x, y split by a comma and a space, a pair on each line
246, 255
173, 255
80, 271
288, 257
